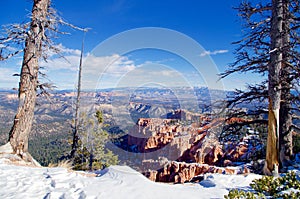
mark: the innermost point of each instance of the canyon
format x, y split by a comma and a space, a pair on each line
159, 134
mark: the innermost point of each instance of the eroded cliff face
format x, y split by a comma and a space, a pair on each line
181, 172
193, 148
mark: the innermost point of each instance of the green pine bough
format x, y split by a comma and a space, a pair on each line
287, 186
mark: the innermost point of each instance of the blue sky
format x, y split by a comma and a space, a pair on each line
213, 25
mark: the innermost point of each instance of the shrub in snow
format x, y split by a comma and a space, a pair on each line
287, 186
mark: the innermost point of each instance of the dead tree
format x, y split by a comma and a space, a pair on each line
257, 53
274, 87
34, 39
19, 133
76, 127
290, 74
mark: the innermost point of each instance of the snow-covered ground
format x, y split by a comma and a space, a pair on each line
115, 182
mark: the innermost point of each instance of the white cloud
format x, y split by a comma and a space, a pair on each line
67, 60
69, 50
108, 71
7, 80
70, 62
103, 71
64, 69
215, 52
113, 65
63, 50
150, 73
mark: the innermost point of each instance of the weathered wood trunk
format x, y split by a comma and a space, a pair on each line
285, 121
286, 135
77, 114
23, 120
274, 89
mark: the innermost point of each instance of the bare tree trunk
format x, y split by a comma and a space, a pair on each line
19, 133
77, 115
286, 137
272, 155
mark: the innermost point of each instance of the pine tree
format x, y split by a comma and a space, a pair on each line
92, 152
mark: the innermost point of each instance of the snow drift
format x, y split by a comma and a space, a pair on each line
114, 182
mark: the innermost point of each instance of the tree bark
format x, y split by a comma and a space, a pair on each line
19, 133
274, 89
286, 135
285, 121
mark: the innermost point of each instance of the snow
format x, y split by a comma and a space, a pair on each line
115, 182
6, 149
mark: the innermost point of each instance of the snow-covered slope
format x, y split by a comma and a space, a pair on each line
115, 182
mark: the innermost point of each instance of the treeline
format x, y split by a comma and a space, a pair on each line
50, 149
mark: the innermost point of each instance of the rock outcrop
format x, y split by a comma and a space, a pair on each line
193, 148
181, 172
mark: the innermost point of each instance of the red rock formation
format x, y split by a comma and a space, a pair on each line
189, 144
181, 172
196, 147
158, 140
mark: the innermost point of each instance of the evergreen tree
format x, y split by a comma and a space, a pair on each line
92, 152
